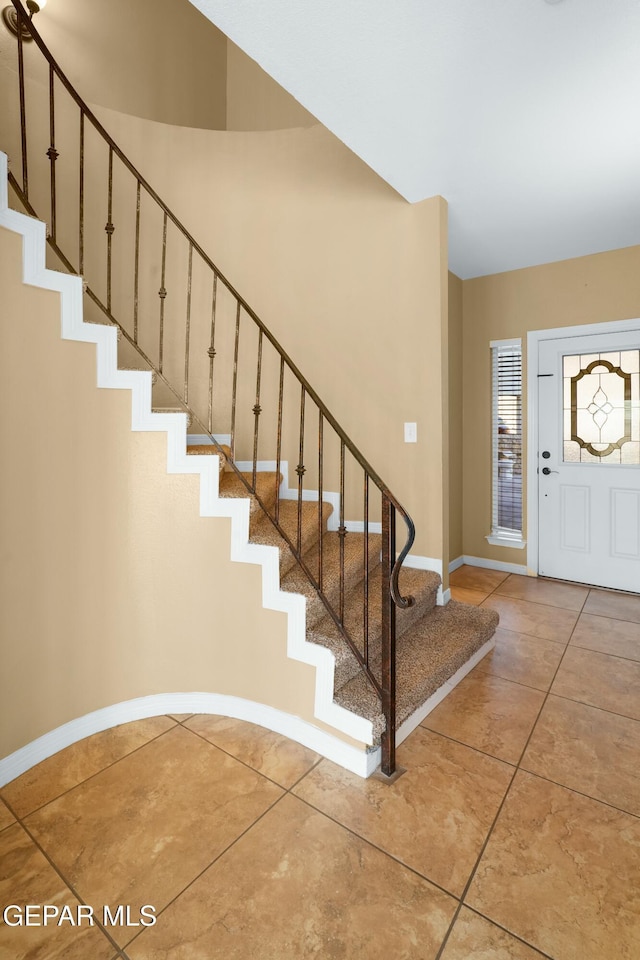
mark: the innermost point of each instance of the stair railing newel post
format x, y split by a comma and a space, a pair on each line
388, 637
157, 249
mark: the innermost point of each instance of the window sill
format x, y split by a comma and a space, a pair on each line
501, 540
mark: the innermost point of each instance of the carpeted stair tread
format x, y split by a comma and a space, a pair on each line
428, 654
346, 663
263, 530
422, 585
209, 450
267, 484
354, 554
296, 581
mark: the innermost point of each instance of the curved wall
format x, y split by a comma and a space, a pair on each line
112, 586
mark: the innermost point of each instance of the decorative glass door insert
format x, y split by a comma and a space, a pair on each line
602, 407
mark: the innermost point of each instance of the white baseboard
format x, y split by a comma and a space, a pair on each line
322, 742
494, 565
454, 564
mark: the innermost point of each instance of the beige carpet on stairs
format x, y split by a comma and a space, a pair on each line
433, 642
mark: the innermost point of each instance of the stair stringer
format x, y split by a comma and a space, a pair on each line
73, 327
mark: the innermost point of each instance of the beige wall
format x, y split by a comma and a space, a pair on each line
153, 58
584, 290
346, 274
111, 585
255, 101
455, 416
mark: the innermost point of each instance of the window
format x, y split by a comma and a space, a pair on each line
602, 407
506, 427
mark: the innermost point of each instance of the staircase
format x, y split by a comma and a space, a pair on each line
434, 643
396, 652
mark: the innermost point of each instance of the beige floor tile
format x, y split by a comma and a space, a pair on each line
528, 660
434, 818
272, 755
180, 717
298, 885
477, 578
466, 595
473, 936
534, 619
26, 877
549, 592
587, 749
69, 767
618, 637
561, 872
142, 829
619, 606
6, 817
601, 680
490, 714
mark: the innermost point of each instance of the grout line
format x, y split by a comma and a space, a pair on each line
585, 703
461, 743
525, 943
503, 802
285, 792
244, 763
68, 884
375, 846
580, 793
222, 853
606, 653
91, 776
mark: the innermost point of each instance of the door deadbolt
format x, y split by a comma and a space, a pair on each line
545, 454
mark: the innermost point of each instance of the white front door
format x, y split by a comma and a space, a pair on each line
589, 459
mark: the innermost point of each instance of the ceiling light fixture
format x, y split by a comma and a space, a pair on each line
10, 17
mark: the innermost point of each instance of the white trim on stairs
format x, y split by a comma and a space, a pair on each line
414, 561
358, 761
35, 273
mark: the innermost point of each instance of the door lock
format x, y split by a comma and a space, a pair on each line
547, 471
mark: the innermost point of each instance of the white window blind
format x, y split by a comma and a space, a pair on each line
506, 359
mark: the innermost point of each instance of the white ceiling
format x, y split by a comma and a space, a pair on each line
523, 114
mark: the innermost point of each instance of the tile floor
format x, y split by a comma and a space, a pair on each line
513, 835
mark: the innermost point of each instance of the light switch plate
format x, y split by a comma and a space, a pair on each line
411, 433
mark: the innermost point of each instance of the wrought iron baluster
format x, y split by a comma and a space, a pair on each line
81, 199
257, 410
365, 596
342, 530
388, 637
52, 153
279, 437
212, 349
235, 384
188, 327
109, 228
300, 469
23, 108
320, 492
162, 292
136, 267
